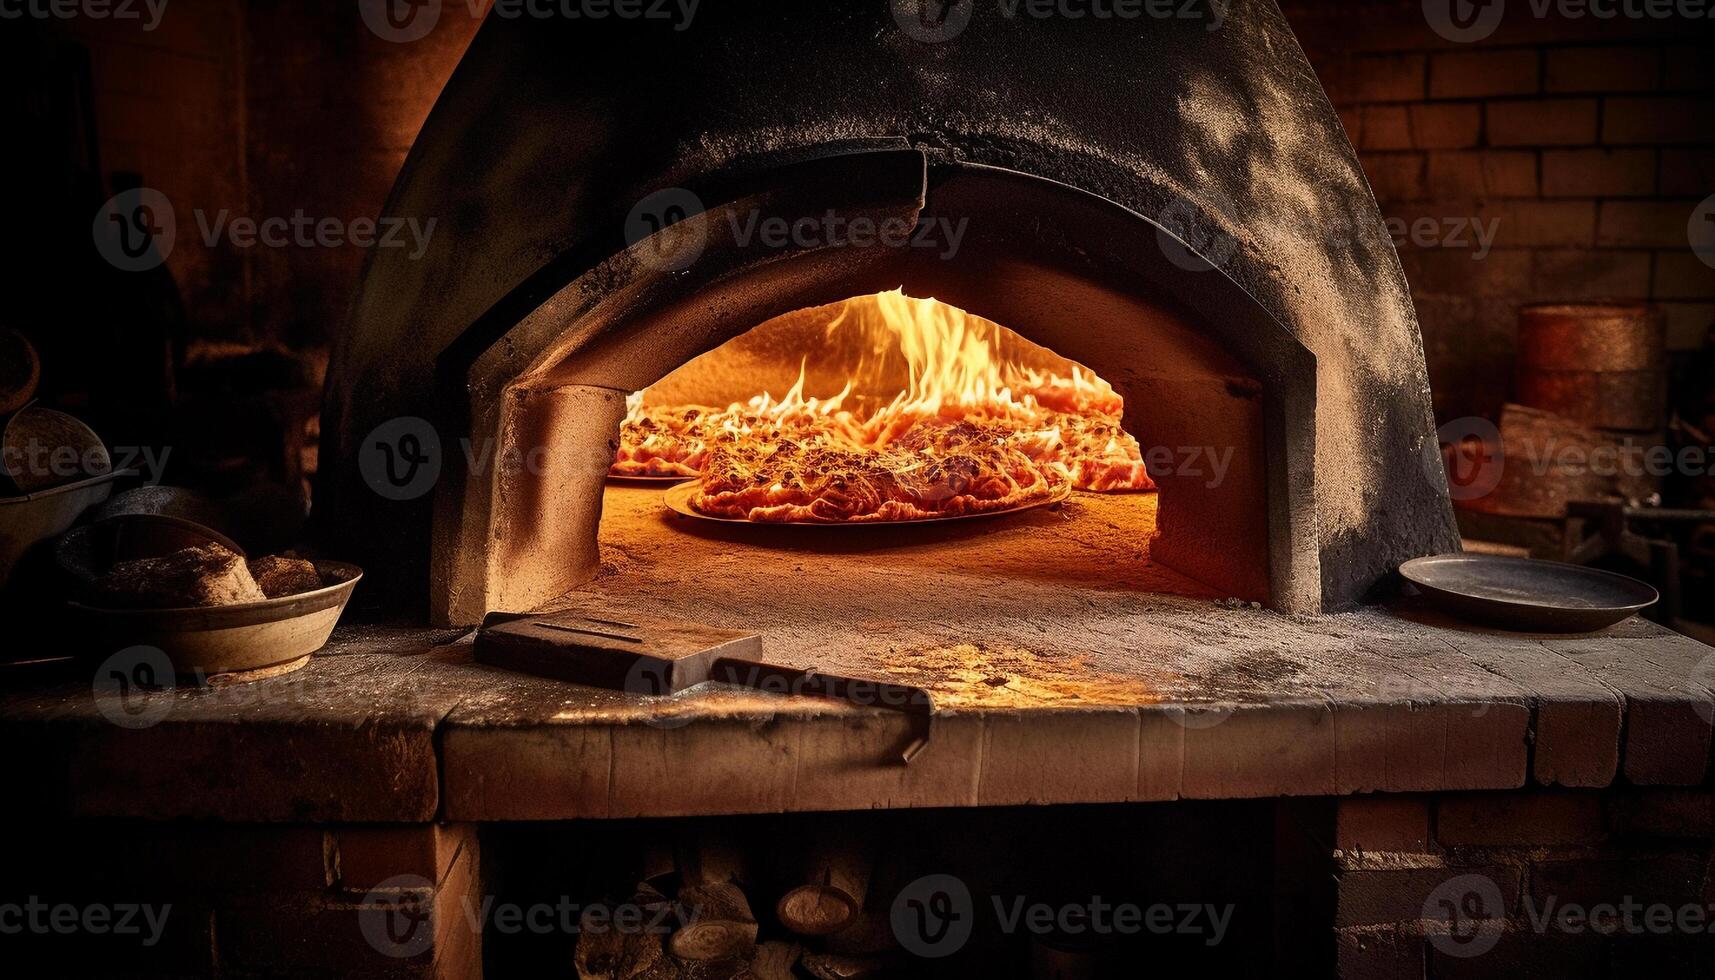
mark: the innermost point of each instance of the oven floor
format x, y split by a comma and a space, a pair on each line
1016, 594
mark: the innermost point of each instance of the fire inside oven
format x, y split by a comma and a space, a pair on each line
914, 410
964, 457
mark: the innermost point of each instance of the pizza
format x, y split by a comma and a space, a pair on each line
942, 414
940, 471
677, 441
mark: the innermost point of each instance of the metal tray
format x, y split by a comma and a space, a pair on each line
1528, 595
678, 500
647, 481
33, 518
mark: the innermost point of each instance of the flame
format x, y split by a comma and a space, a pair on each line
944, 367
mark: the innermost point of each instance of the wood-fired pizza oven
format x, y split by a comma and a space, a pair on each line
604, 202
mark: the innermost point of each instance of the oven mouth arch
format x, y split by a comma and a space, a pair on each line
624, 323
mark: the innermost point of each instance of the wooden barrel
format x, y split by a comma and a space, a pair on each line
1602, 364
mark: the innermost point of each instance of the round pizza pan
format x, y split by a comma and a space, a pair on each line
1527, 594
647, 481
678, 500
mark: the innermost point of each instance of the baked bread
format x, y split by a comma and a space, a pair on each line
206, 575
283, 575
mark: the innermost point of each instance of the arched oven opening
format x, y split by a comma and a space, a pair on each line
1009, 289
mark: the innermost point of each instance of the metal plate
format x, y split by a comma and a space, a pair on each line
647, 481
1526, 594
678, 500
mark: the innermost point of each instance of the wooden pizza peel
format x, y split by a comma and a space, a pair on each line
661, 657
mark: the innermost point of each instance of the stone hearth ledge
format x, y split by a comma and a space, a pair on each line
399, 724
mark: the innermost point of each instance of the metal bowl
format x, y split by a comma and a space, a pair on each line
226, 639
1528, 595
37, 517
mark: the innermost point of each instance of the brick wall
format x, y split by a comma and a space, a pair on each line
261, 108
169, 107
333, 111
1591, 141
1503, 885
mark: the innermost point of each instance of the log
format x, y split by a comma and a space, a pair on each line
774, 960
836, 881
834, 966
718, 924
607, 953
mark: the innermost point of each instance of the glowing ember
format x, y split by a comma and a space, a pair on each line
968, 429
